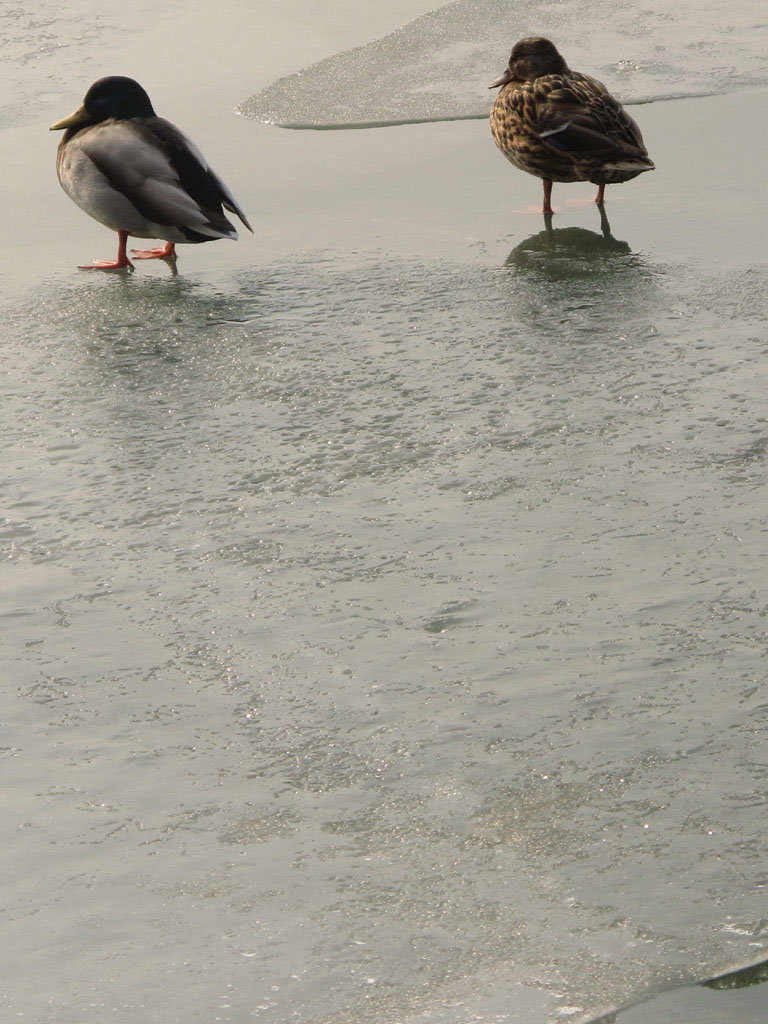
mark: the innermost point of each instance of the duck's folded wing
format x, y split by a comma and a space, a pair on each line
195, 174
589, 124
168, 183
568, 136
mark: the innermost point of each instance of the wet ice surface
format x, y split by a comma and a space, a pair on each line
390, 637
738, 996
438, 67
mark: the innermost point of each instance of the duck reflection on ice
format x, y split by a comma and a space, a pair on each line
583, 286
569, 251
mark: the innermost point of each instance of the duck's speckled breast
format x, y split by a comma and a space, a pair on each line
515, 131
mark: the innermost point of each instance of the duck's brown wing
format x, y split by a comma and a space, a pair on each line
576, 114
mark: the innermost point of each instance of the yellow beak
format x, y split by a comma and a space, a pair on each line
80, 116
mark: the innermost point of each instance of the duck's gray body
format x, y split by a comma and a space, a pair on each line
145, 177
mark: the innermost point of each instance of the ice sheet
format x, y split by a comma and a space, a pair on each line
438, 67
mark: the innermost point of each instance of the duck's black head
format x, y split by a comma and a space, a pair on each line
113, 97
531, 58
117, 97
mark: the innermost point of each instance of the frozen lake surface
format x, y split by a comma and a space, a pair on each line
438, 66
384, 596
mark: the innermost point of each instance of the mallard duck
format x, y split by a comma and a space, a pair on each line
139, 175
561, 125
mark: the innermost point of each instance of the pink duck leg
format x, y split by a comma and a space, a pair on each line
547, 196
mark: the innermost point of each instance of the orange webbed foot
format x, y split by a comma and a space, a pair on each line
160, 252
107, 265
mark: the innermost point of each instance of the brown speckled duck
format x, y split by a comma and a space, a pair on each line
561, 125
